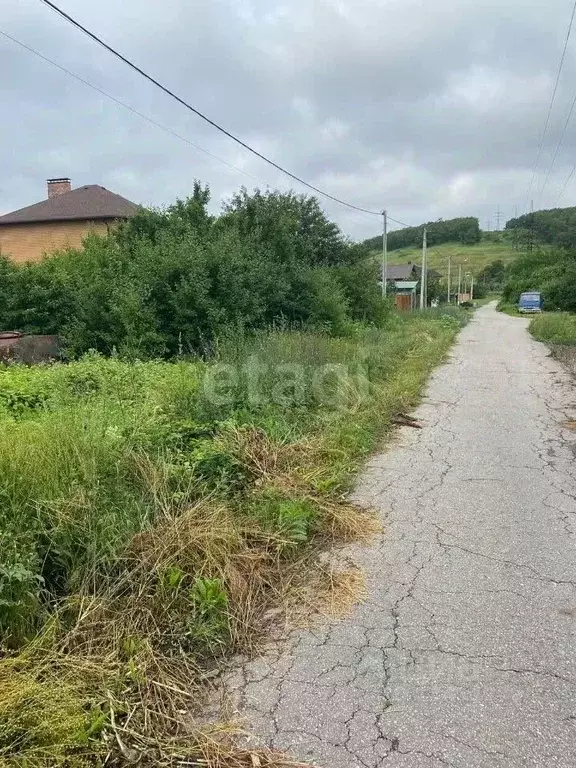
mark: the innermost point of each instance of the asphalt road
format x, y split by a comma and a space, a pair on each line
464, 654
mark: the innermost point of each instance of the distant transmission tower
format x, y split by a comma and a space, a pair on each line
498, 217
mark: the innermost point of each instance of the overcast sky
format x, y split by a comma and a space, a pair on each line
430, 109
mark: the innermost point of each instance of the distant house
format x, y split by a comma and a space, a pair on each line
406, 272
400, 272
62, 220
406, 281
405, 297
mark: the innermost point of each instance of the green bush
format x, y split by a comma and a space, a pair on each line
169, 283
490, 279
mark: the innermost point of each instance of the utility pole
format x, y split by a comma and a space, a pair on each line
459, 283
472, 287
489, 223
384, 252
449, 264
423, 273
530, 241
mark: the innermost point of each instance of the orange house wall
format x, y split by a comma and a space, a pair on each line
29, 242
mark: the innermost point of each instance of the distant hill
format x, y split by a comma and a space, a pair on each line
556, 226
463, 230
473, 258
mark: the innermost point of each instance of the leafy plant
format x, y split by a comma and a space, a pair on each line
290, 520
293, 520
209, 624
18, 403
216, 467
19, 595
173, 578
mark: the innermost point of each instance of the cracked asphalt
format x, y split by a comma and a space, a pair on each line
464, 653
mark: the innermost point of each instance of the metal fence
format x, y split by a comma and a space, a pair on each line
19, 348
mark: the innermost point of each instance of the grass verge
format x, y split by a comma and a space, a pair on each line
558, 331
157, 518
554, 328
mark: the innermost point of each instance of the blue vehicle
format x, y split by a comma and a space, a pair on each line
531, 301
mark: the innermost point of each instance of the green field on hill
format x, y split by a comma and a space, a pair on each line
472, 257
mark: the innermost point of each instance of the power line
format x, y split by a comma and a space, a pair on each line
560, 140
137, 112
402, 223
144, 116
200, 114
560, 66
568, 179
129, 108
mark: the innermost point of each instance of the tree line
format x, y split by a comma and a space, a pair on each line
172, 281
464, 230
556, 226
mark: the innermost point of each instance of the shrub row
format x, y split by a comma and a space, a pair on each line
171, 281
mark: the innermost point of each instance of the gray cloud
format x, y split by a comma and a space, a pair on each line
428, 109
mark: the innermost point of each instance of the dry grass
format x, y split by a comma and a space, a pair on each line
329, 592
134, 633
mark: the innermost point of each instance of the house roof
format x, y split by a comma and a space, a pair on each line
431, 272
406, 285
399, 271
89, 203
407, 271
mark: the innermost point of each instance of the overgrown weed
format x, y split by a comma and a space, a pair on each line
150, 531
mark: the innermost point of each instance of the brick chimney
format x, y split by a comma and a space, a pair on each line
58, 187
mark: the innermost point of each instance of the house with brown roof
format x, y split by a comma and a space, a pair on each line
62, 220
410, 271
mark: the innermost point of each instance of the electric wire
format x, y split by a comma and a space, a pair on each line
558, 145
547, 122
129, 108
200, 114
